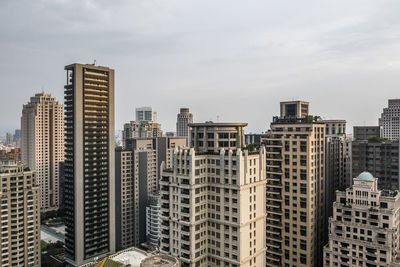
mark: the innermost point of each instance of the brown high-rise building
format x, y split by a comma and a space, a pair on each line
89, 163
295, 187
42, 145
20, 215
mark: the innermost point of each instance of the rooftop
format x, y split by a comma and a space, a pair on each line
159, 261
216, 124
132, 256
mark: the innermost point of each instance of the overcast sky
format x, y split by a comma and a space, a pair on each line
235, 60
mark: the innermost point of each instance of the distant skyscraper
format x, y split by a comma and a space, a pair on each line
295, 187
17, 134
364, 229
213, 200
89, 163
20, 215
146, 114
42, 146
390, 120
140, 129
9, 139
182, 122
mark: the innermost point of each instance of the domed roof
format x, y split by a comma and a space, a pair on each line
365, 176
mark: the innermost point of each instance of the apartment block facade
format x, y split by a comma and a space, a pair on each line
295, 147
140, 129
364, 229
137, 180
42, 145
20, 215
89, 163
379, 157
390, 120
213, 200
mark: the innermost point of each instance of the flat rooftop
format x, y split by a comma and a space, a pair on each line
132, 256
159, 261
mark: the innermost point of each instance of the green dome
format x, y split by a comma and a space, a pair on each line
366, 176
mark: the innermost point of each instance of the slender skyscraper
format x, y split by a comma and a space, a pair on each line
182, 123
89, 163
42, 146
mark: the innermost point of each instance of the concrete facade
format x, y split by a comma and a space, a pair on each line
42, 145
212, 200
89, 164
364, 229
295, 190
146, 114
390, 120
379, 157
140, 129
20, 215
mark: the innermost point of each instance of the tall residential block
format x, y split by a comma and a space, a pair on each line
89, 163
20, 215
364, 229
378, 156
213, 200
146, 114
337, 163
182, 122
42, 145
295, 187
390, 120
137, 180
140, 129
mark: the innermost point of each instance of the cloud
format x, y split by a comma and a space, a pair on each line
235, 59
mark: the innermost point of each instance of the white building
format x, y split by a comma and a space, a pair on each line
42, 144
365, 227
146, 114
390, 120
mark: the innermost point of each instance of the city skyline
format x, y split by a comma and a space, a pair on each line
325, 53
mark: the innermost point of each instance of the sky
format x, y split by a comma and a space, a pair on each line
227, 60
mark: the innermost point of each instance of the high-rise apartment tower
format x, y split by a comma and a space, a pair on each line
20, 215
213, 200
42, 146
295, 187
89, 163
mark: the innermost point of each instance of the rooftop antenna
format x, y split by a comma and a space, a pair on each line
94, 62
217, 118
